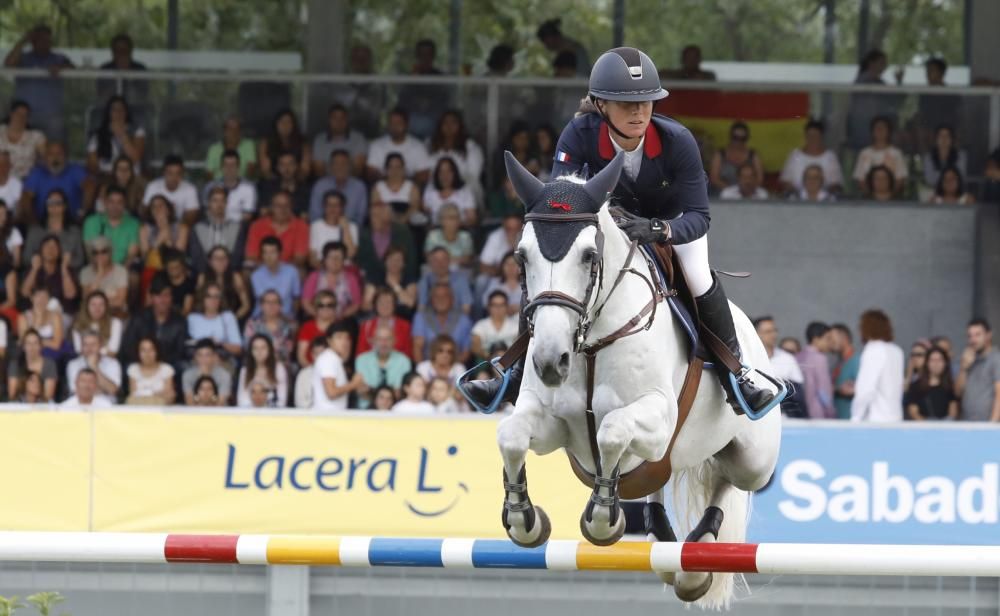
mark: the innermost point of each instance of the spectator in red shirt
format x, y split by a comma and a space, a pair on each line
280, 223
385, 315
326, 313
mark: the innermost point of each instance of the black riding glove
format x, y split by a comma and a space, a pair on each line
644, 230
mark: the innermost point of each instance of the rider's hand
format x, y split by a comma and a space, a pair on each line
644, 230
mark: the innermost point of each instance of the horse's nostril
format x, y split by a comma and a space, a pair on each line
564, 360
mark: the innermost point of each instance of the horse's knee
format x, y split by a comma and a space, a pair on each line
513, 438
613, 436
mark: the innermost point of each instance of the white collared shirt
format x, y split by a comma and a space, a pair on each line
633, 159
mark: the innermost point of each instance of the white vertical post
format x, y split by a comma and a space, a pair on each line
288, 591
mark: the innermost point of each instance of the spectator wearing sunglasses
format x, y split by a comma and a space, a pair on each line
725, 168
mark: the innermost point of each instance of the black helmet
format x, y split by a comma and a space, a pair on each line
625, 74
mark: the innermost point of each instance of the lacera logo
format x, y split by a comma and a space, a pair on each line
337, 474
888, 498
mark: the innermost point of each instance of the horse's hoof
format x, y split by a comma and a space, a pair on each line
545, 526
615, 536
667, 577
694, 594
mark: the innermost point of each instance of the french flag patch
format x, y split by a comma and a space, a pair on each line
562, 157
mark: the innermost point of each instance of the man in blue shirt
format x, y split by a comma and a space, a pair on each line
340, 179
274, 275
440, 316
43, 94
56, 172
439, 272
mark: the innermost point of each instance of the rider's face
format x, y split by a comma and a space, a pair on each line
630, 118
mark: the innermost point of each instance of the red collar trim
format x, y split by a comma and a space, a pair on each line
651, 147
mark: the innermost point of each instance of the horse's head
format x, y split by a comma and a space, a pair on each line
561, 252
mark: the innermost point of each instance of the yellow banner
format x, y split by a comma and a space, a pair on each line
365, 475
44, 470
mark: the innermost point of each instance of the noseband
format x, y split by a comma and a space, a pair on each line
558, 298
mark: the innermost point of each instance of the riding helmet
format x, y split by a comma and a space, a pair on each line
625, 74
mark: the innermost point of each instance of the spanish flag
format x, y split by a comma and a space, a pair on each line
776, 120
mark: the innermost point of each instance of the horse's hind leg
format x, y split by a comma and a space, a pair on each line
638, 428
657, 527
724, 520
528, 427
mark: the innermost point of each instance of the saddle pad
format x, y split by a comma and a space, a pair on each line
682, 314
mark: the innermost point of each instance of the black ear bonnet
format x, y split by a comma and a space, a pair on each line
561, 197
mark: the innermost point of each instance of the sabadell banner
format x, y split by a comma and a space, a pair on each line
366, 474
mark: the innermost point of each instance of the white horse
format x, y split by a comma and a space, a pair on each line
718, 457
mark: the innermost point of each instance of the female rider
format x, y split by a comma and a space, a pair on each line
662, 189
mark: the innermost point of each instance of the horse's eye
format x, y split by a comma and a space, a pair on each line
589, 256
521, 257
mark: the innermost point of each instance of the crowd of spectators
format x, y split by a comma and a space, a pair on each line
341, 269
833, 377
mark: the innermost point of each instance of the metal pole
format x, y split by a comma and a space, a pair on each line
455, 37
994, 130
173, 21
967, 16
864, 16
829, 30
618, 20
492, 129
829, 48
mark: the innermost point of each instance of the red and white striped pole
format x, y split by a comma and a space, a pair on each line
769, 558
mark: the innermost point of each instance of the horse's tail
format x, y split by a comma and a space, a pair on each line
693, 491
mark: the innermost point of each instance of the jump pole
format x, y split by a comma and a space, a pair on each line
453, 553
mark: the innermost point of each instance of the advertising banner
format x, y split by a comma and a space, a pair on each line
368, 474
44, 470
907, 484
364, 475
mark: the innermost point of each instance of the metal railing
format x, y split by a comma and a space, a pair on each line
186, 109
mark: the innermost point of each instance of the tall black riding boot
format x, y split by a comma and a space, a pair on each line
484, 391
713, 308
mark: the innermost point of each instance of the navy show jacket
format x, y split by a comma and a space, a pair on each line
671, 184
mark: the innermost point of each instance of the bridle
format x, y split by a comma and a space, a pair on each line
558, 298
585, 315
585, 320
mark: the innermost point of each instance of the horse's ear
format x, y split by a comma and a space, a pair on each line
526, 185
605, 181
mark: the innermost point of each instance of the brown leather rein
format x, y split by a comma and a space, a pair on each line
649, 476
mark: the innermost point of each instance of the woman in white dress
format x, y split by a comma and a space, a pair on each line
447, 186
399, 192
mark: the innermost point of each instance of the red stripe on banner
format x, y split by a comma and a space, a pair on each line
719, 557
736, 105
201, 549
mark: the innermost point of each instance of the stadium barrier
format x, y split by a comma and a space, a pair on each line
767, 558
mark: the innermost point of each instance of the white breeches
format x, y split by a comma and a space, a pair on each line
694, 261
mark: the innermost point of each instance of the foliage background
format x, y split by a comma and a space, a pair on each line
748, 30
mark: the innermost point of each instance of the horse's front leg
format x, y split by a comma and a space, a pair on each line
527, 427
638, 428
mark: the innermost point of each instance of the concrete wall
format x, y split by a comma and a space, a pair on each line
830, 262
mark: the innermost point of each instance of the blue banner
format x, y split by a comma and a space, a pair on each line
853, 484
